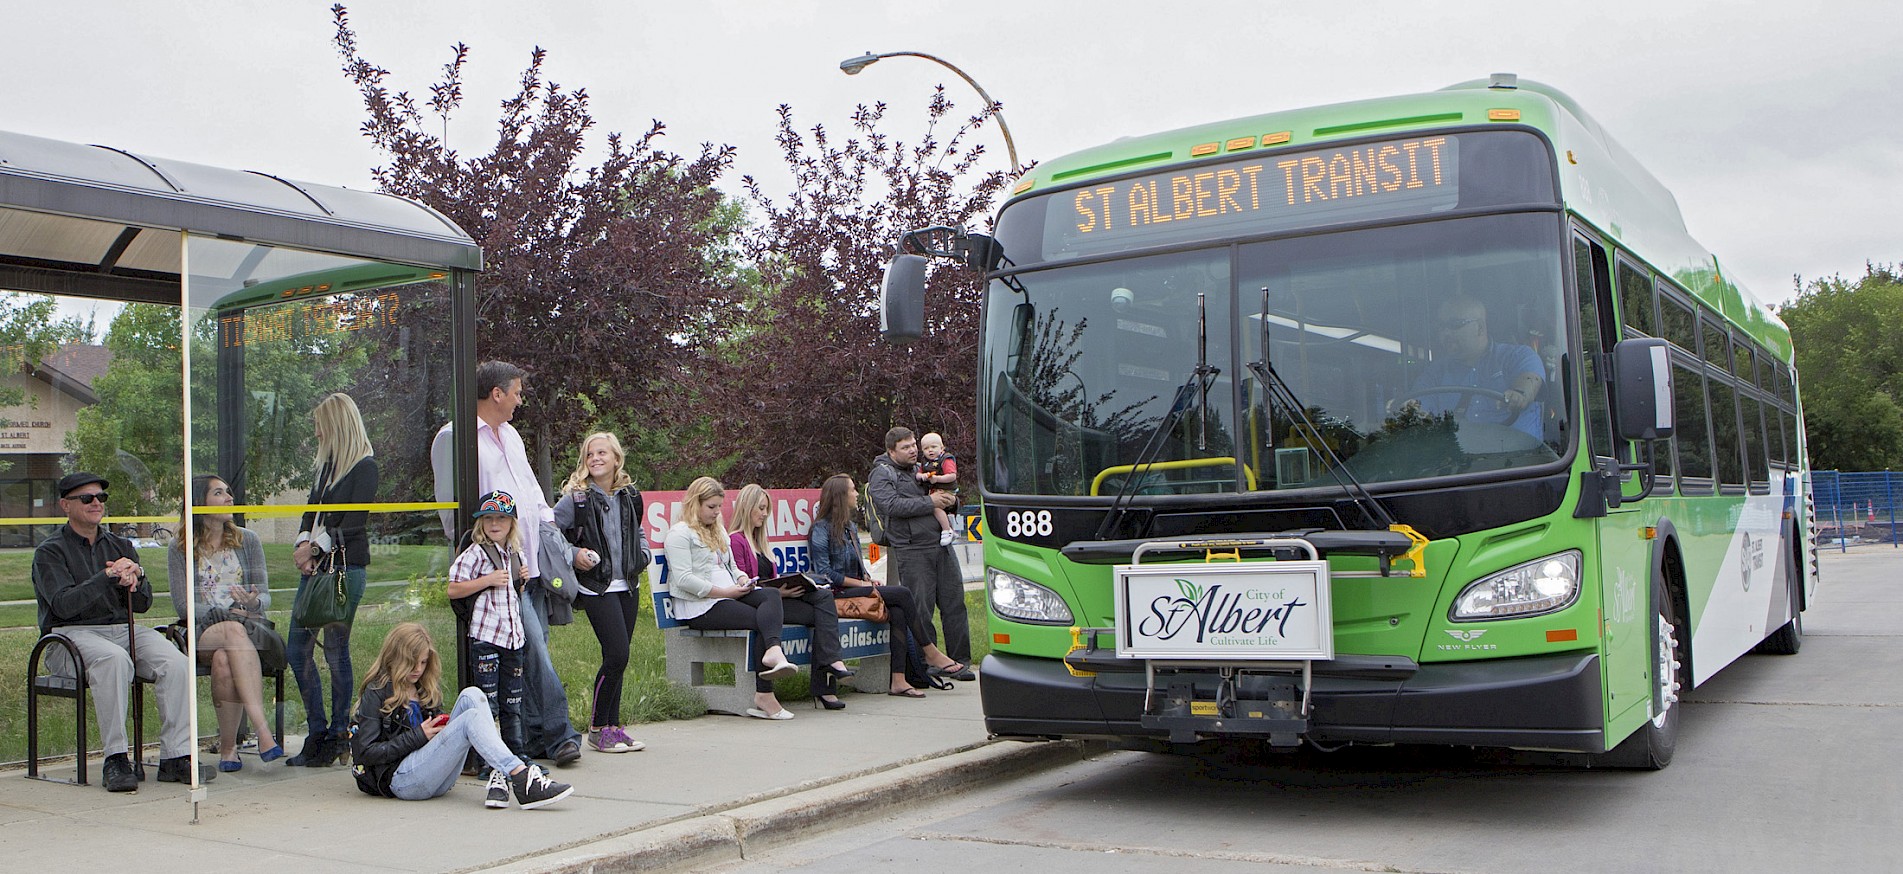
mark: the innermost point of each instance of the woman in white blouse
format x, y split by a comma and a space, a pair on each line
709, 592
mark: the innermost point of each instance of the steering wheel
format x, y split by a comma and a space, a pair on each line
1448, 389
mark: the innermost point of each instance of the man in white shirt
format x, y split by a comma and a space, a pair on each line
502, 464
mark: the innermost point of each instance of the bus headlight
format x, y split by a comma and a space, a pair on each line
1015, 597
1539, 586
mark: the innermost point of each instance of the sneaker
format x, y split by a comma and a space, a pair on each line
498, 791
118, 775
534, 789
613, 740
568, 753
601, 740
178, 769
945, 537
628, 744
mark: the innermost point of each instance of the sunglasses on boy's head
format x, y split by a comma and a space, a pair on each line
89, 497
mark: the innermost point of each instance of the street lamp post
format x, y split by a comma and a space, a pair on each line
852, 66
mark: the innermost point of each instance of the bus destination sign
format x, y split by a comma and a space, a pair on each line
1264, 191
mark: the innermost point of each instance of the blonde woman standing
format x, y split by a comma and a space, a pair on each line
709, 592
600, 514
346, 473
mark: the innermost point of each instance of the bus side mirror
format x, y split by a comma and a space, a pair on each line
1642, 388
902, 300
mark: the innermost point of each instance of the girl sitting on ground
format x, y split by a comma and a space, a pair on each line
404, 745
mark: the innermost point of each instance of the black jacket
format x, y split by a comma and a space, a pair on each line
902, 502
358, 485
380, 741
72, 586
588, 532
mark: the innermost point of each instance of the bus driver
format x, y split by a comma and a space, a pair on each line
1509, 372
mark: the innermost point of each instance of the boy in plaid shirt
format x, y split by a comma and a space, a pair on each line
492, 570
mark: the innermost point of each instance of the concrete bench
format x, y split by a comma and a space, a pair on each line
689, 652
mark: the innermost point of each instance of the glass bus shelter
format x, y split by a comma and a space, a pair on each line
225, 306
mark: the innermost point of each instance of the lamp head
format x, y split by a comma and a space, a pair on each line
852, 66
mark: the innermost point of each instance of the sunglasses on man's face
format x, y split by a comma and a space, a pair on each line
89, 498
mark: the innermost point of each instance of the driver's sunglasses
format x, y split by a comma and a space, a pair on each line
91, 497
1456, 324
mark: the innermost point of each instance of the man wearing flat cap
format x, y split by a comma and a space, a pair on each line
85, 579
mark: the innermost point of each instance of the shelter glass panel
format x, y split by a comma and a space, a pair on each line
317, 384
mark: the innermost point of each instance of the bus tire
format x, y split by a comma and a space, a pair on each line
1790, 638
1651, 747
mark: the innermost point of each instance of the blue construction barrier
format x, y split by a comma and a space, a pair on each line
1856, 506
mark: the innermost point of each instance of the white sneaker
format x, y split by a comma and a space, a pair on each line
945, 537
498, 790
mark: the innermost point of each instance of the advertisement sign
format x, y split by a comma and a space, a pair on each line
788, 521
1245, 611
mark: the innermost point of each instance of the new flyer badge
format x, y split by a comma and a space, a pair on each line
1255, 610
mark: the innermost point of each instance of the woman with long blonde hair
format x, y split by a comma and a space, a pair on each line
709, 592
600, 514
811, 607
406, 747
345, 473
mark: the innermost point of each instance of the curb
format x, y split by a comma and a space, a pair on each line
730, 835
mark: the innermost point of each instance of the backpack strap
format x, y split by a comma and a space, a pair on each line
510, 563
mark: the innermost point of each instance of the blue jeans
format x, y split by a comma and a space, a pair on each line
498, 673
336, 653
432, 770
544, 701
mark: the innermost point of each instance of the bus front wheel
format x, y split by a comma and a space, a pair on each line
1651, 747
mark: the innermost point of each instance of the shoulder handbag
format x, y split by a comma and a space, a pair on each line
869, 607
323, 599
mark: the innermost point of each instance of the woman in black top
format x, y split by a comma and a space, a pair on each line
346, 474
601, 514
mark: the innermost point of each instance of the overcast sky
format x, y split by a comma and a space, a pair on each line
1778, 126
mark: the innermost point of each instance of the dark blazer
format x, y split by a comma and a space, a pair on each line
357, 486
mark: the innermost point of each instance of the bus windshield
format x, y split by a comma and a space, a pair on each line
1421, 350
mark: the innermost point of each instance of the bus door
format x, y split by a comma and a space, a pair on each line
1624, 555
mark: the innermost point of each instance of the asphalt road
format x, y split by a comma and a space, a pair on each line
1783, 764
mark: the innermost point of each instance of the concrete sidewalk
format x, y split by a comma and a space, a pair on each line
704, 789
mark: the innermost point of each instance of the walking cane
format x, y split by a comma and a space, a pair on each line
132, 641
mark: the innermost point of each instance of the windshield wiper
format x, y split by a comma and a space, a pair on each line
1279, 391
1194, 389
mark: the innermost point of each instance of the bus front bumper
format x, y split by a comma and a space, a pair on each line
1542, 702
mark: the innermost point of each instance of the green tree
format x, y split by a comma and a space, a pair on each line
132, 434
599, 278
1849, 339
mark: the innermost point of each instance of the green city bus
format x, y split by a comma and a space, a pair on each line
1415, 420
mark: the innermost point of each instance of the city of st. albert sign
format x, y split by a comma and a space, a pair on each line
1276, 610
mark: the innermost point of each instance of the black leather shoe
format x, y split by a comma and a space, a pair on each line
568, 753
178, 769
118, 775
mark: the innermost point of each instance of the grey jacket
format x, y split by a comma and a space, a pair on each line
250, 558
690, 571
903, 503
